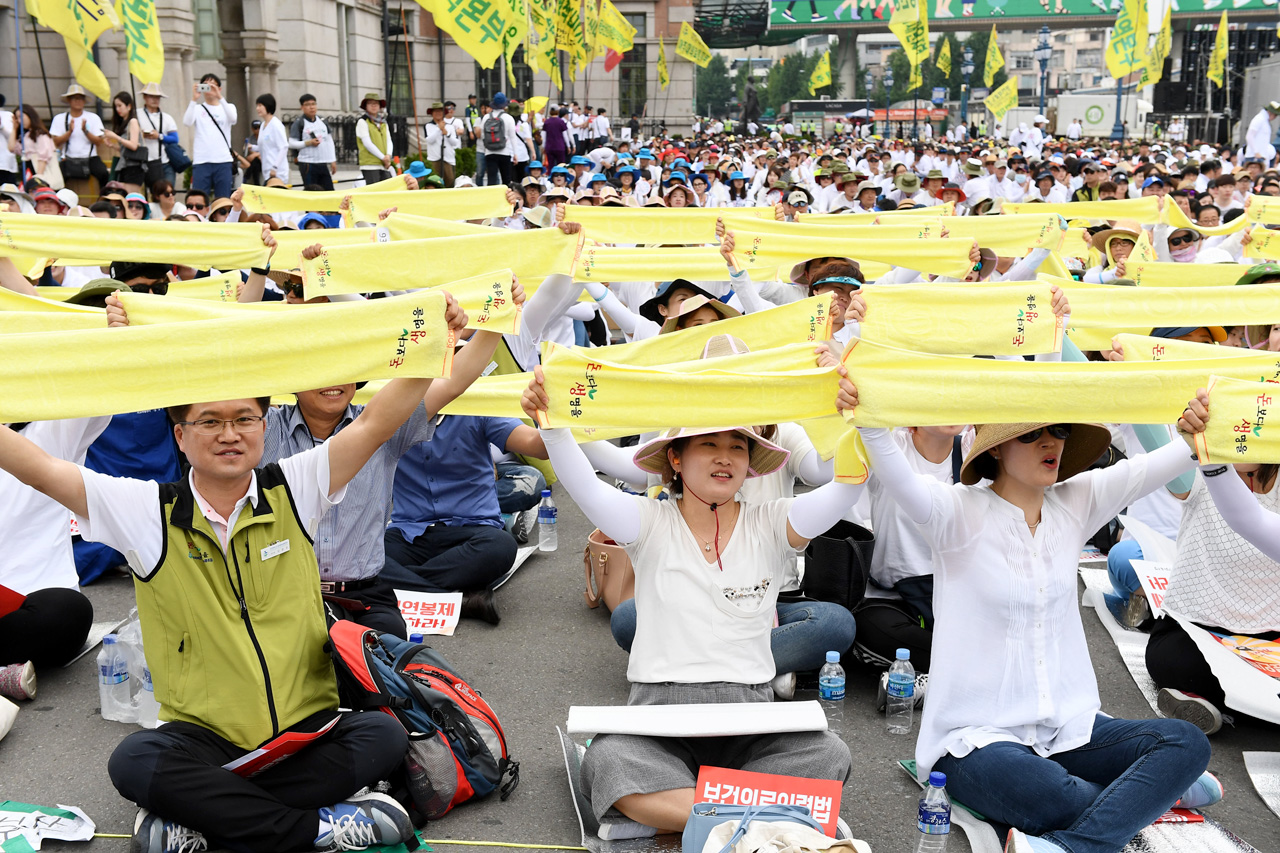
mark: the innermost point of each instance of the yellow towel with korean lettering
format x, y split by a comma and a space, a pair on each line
883, 217
1006, 235
963, 319
486, 299
649, 226
1138, 347
1264, 209
404, 264
467, 203
1145, 210
1174, 216
96, 242
406, 226
945, 257
1172, 274
898, 388
1242, 423
109, 371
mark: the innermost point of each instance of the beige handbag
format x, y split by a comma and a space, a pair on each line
610, 577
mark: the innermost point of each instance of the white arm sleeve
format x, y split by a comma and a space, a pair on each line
814, 471
551, 300
1025, 269
622, 316
581, 311
909, 490
1242, 510
615, 513
617, 462
816, 512
749, 292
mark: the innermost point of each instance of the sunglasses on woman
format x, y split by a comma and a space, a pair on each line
1193, 237
155, 288
293, 288
1060, 431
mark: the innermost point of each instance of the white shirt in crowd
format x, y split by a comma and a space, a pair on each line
8, 160
273, 147
441, 144
37, 549
212, 124
313, 129
362, 134
78, 145
161, 123
901, 550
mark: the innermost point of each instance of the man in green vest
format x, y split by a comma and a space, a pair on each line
374, 135
228, 594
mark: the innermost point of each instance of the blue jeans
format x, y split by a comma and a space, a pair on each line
478, 177
1092, 799
806, 631
212, 177
1124, 580
519, 487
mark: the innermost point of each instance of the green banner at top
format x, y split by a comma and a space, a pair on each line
828, 12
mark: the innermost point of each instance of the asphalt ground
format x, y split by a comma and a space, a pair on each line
548, 653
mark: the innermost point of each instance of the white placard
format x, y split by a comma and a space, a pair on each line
1154, 578
430, 612
711, 720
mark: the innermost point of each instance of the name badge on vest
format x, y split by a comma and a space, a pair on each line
275, 549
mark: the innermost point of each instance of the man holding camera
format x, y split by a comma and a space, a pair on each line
212, 119
310, 137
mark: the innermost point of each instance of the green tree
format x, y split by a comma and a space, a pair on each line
715, 88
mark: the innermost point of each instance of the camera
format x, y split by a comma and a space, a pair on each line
203, 87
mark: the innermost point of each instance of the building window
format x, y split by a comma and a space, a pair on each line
639, 21
1023, 62
1095, 37
208, 29
1059, 59
399, 62
1089, 58
488, 81
633, 84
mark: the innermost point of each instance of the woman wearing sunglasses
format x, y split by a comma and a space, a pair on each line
1013, 715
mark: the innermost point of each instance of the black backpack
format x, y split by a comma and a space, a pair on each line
494, 132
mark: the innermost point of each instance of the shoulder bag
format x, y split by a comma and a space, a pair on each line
610, 575
235, 158
75, 168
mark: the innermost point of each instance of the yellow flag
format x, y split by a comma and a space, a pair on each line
943, 62
616, 32
906, 11
691, 46
1003, 98
1243, 427
914, 36
1218, 59
514, 35
481, 36
664, 79
821, 75
1127, 50
142, 33
569, 33
79, 22
591, 28
994, 61
1153, 66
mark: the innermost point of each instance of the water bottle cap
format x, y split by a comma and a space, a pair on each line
109, 640
904, 654
415, 638
546, 493
833, 657
938, 780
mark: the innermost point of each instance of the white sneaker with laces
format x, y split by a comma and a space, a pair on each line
365, 820
154, 834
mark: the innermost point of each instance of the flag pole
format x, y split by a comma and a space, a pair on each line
17, 41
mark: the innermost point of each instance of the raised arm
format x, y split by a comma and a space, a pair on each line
909, 490
14, 280
256, 284
1259, 527
469, 364
49, 475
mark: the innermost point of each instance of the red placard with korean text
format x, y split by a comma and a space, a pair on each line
745, 788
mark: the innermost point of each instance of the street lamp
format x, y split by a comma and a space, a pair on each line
966, 68
1043, 53
888, 84
866, 79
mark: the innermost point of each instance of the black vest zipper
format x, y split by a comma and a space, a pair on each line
257, 647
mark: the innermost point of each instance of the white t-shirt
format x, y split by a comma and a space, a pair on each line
78, 145
125, 513
1160, 511
36, 538
213, 124
901, 550
602, 126
161, 123
273, 145
8, 160
694, 623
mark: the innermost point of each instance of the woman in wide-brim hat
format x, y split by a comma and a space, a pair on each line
1013, 716
708, 570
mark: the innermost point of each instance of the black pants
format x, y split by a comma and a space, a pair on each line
176, 772
99, 170
373, 607
49, 628
497, 169
1174, 660
317, 174
447, 559
886, 625
373, 174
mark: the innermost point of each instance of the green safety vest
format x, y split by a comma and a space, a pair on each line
235, 641
380, 135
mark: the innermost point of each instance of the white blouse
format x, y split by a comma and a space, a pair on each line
1009, 657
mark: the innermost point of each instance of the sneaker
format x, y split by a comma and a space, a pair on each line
18, 681
154, 834
784, 685
8, 713
1019, 842
363, 821
524, 525
786, 13
882, 691
1200, 712
624, 828
1205, 791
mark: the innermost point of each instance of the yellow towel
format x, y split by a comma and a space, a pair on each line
659, 226
531, 255
17, 322
278, 200
1174, 216
220, 288
467, 203
1141, 347
406, 226
109, 371
1242, 423
1264, 209
1145, 210
883, 217
949, 257
57, 294
12, 301
1172, 274
964, 319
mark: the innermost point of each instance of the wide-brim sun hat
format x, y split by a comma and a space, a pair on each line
799, 272
766, 457
1086, 443
649, 308
1218, 333
95, 289
694, 303
1130, 229
951, 188
539, 217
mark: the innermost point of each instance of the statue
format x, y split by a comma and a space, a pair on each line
750, 105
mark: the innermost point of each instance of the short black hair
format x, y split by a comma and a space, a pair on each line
103, 207
179, 413
268, 102
211, 76
448, 104
204, 194
307, 97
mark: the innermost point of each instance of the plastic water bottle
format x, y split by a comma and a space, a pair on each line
900, 704
148, 708
934, 821
415, 639
113, 682
831, 692
547, 522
